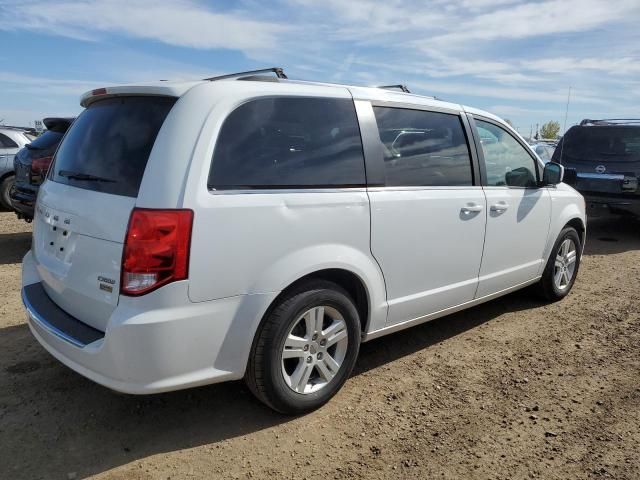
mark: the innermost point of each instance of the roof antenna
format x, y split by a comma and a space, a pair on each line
566, 114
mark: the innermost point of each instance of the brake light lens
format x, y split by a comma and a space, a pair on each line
156, 249
40, 166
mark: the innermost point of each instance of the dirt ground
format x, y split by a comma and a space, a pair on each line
510, 389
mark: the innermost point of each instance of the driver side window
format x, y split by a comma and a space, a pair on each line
507, 162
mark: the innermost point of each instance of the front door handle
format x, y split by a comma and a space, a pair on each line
499, 207
471, 208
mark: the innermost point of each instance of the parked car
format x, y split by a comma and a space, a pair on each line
12, 139
193, 233
606, 156
544, 150
31, 165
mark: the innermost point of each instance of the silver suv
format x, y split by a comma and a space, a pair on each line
12, 139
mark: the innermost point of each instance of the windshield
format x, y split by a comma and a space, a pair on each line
108, 146
602, 143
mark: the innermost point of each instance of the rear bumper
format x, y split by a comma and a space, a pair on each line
23, 202
144, 349
602, 204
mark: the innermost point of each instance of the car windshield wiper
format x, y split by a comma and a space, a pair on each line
86, 177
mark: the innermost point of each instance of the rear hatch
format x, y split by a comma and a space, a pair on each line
606, 158
83, 209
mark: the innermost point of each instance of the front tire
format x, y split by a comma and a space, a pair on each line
305, 349
562, 267
5, 188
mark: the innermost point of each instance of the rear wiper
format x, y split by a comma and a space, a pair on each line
86, 177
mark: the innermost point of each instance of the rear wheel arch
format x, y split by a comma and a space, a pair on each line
346, 279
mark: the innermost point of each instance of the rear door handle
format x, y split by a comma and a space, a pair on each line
499, 207
472, 208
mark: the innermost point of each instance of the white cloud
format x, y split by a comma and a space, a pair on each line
612, 66
539, 19
176, 22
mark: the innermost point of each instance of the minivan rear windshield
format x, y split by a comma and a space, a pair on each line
111, 141
602, 144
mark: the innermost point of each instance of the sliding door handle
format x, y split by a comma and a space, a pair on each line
472, 208
499, 207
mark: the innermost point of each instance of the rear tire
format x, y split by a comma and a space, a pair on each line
562, 267
5, 188
305, 349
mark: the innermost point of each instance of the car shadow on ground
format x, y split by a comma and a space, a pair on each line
611, 235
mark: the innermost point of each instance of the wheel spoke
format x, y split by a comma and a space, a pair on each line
295, 342
325, 371
300, 376
293, 353
565, 274
313, 320
559, 262
336, 332
331, 363
557, 278
571, 257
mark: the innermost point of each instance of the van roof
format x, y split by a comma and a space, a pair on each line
179, 88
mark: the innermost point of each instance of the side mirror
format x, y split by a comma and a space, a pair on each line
553, 174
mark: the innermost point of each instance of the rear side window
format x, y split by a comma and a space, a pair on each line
6, 142
289, 142
423, 148
108, 146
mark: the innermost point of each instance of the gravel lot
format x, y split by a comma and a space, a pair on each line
510, 389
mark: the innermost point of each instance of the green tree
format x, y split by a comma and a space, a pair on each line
550, 129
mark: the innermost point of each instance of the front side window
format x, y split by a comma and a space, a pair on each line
289, 142
422, 148
506, 161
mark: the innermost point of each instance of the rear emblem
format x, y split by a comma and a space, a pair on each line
601, 169
106, 284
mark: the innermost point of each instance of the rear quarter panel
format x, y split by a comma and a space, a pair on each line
258, 242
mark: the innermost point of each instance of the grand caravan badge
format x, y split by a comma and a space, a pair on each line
106, 284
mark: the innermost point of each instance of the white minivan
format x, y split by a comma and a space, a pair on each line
256, 227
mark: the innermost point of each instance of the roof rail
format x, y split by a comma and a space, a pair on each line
277, 70
611, 121
399, 86
15, 127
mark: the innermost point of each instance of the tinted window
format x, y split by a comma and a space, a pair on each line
423, 148
107, 147
507, 162
601, 144
289, 142
6, 142
47, 140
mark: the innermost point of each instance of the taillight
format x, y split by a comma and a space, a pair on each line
40, 166
156, 249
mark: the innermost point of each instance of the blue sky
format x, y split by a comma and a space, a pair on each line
514, 58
